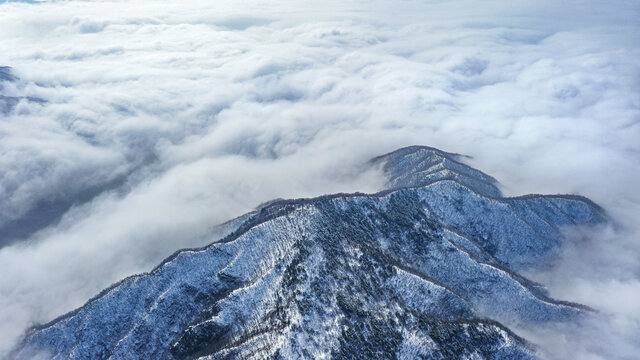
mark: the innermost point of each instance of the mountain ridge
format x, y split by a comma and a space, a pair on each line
358, 224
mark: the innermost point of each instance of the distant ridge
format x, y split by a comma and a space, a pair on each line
422, 165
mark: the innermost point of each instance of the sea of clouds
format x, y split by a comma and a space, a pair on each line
138, 126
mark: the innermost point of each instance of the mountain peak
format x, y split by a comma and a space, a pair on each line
422, 165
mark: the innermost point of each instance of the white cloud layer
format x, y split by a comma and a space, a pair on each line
164, 119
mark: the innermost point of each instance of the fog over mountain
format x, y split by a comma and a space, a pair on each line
422, 270
130, 129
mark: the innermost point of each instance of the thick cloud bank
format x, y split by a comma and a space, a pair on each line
135, 127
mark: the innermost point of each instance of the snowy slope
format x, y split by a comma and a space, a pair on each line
422, 269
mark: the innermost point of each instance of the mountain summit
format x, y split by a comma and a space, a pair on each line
424, 269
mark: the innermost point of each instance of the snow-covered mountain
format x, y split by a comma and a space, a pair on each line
424, 269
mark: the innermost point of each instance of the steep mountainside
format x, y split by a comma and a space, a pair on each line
421, 270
